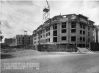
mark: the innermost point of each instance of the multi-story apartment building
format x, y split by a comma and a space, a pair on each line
71, 29
25, 40
19, 39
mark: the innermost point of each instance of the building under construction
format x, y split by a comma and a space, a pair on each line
64, 31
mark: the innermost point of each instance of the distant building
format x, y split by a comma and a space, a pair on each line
10, 41
24, 40
71, 29
19, 39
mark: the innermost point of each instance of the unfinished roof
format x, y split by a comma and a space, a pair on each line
57, 18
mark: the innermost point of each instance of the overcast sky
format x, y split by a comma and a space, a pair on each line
20, 15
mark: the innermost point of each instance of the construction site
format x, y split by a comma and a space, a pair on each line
64, 32
62, 43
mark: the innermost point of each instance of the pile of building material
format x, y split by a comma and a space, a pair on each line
83, 50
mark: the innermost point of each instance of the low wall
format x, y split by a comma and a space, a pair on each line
56, 47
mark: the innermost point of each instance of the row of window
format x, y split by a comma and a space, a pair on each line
42, 41
64, 38
73, 31
73, 25
82, 25
63, 25
64, 31
82, 32
44, 30
82, 39
43, 35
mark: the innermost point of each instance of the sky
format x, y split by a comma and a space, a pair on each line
18, 16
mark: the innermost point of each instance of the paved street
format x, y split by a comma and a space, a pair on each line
56, 63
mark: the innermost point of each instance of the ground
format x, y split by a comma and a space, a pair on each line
53, 62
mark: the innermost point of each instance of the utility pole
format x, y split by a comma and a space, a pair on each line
1, 37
